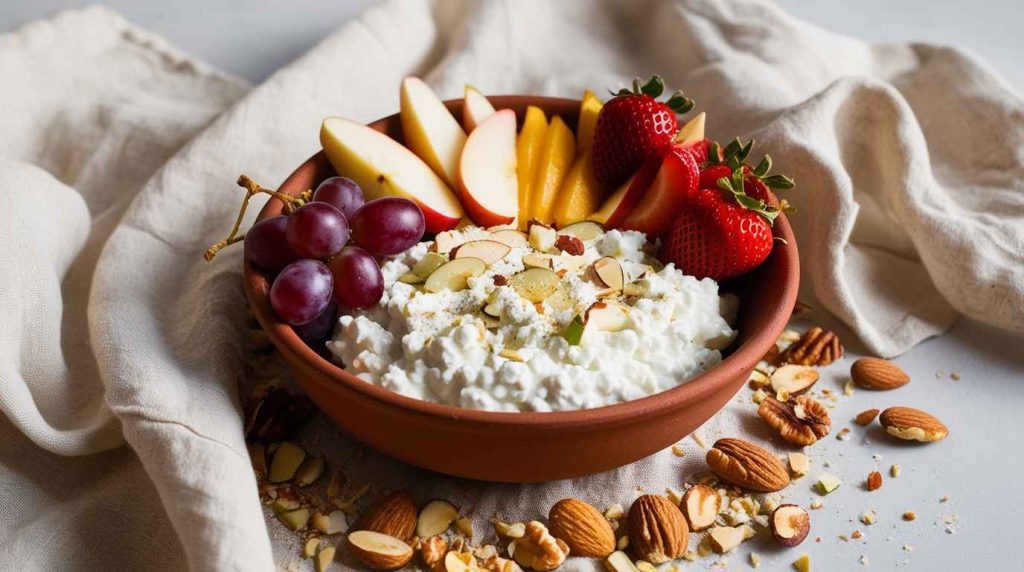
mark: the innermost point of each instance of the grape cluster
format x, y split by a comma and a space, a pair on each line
322, 255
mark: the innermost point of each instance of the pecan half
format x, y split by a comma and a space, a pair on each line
800, 420
815, 347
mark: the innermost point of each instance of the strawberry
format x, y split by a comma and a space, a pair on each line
756, 182
710, 175
723, 232
674, 184
632, 127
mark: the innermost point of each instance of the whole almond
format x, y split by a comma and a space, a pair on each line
864, 418
582, 527
746, 465
878, 374
912, 424
657, 530
393, 515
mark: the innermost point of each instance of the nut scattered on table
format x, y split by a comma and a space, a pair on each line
619, 561
874, 481
878, 374
864, 418
794, 379
324, 558
912, 424
309, 471
800, 420
816, 347
538, 549
747, 465
700, 506
657, 529
723, 539
379, 551
286, 461
790, 524
582, 527
799, 463
435, 518
393, 514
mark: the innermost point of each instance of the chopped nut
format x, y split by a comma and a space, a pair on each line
324, 558
802, 564
539, 550
296, 519
848, 387
827, 483
856, 535
816, 347
287, 459
869, 517
755, 560
794, 379
433, 550
909, 515
894, 471
954, 375
874, 481
678, 450
619, 562
309, 548
799, 463
614, 512
800, 420
724, 538
309, 471
645, 566
622, 543
843, 434
569, 245
506, 530
758, 378
864, 560
816, 504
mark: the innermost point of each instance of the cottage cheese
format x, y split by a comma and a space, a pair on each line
436, 347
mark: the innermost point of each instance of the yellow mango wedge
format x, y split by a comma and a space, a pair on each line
589, 110
580, 195
529, 145
555, 161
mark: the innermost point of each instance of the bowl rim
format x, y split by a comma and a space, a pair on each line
750, 351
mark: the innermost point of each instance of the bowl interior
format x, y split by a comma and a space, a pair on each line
766, 298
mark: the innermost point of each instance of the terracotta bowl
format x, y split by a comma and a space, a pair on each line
529, 447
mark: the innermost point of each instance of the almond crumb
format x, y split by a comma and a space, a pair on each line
909, 515
678, 450
856, 535
869, 517
874, 481
894, 471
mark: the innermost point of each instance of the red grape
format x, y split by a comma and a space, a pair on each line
341, 192
358, 282
388, 225
320, 327
317, 230
302, 291
266, 247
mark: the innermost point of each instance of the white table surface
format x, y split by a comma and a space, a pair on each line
979, 466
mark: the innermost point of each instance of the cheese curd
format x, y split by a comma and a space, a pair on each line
442, 347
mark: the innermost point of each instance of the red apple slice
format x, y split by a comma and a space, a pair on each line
490, 251
676, 182
488, 185
475, 108
618, 206
383, 167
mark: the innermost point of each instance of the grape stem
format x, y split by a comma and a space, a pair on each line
251, 190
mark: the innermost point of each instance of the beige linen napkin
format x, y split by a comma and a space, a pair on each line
908, 161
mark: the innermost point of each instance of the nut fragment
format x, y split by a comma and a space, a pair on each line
746, 465
802, 564
538, 549
435, 518
582, 527
827, 483
794, 379
700, 506
296, 519
506, 530
610, 272
309, 548
379, 551
309, 471
333, 523
324, 558
800, 420
874, 481
815, 347
456, 561
877, 373
790, 524
725, 538
432, 550
569, 244
910, 424
618, 561
287, 459
393, 514
864, 418
799, 463
657, 530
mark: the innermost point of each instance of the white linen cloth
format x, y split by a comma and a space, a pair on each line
117, 167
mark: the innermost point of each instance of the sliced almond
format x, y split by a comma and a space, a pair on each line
535, 284
410, 278
435, 518
453, 275
287, 459
506, 530
444, 242
618, 561
333, 523
583, 230
426, 266
794, 379
490, 251
538, 260
513, 238
379, 551
456, 561
700, 506
607, 316
790, 524
324, 558
296, 519
566, 264
542, 238
309, 548
610, 272
493, 309
309, 471
799, 463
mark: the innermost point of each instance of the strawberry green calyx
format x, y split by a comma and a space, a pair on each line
735, 155
734, 187
677, 102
